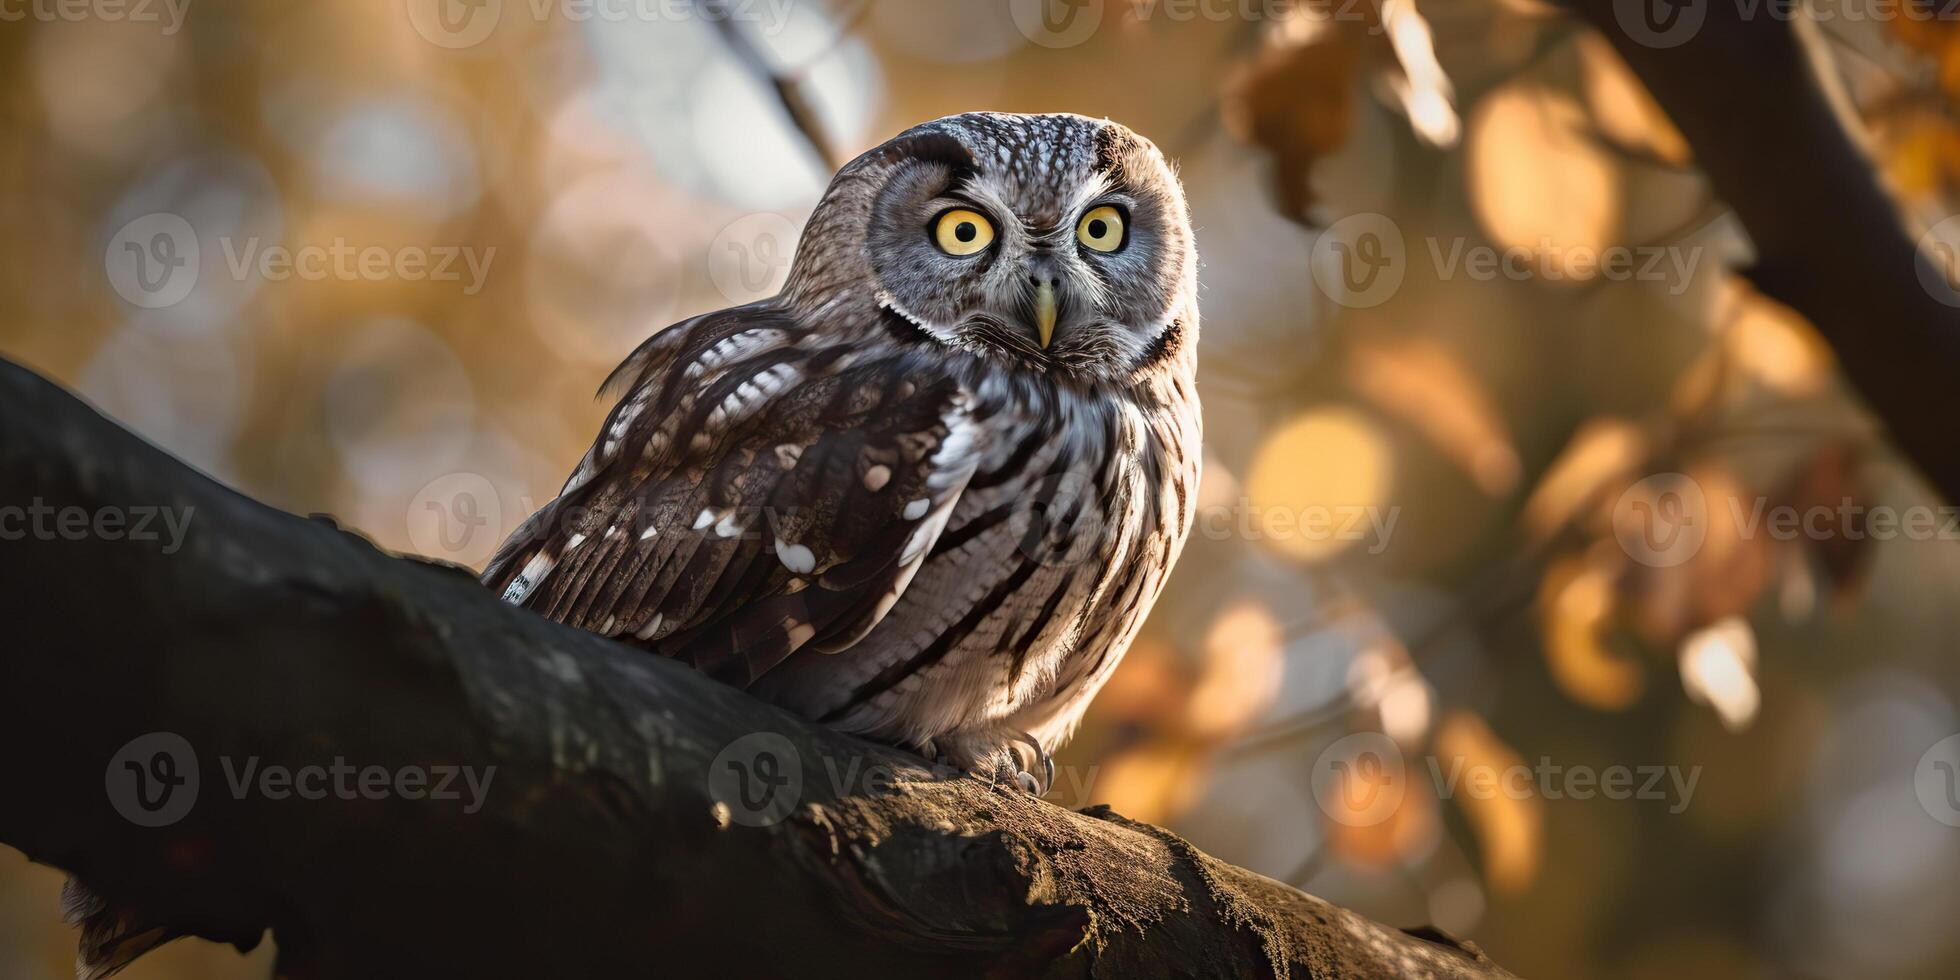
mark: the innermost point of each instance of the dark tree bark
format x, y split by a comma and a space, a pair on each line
603, 845
1747, 91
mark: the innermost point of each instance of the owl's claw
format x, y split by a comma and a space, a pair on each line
991, 754
1040, 756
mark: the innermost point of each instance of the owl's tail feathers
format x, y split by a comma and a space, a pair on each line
112, 936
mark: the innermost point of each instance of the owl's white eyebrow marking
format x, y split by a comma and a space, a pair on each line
1086, 194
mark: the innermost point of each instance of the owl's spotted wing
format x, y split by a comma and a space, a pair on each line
759, 488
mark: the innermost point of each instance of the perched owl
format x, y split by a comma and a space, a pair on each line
928, 492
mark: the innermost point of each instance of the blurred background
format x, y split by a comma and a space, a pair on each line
1495, 431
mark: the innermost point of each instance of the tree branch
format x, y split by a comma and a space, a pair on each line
1748, 92
603, 844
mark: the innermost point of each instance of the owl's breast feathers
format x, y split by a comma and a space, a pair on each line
763, 489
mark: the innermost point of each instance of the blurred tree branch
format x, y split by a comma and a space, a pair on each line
788, 89
1750, 93
601, 847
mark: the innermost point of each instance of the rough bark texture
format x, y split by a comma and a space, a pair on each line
1748, 93
602, 847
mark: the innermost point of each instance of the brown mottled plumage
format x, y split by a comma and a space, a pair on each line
921, 495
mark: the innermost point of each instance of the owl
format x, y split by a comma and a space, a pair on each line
928, 492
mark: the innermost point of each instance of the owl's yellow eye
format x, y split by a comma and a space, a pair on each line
1101, 229
963, 232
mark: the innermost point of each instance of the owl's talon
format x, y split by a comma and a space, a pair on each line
928, 750
1041, 756
1027, 783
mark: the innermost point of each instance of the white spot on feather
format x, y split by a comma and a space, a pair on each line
797, 558
917, 509
733, 348
800, 633
876, 477
707, 519
752, 394
652, 626
534, 571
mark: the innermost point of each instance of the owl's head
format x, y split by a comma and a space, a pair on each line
1055, 243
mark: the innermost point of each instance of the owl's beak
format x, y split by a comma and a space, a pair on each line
1044, 313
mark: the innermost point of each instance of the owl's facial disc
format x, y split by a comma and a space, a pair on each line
1066, 254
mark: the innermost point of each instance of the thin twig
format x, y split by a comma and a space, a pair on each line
789, 91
